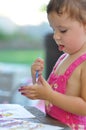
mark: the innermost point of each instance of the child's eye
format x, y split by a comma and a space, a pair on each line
63, 31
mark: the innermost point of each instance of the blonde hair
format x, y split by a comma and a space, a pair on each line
76, 9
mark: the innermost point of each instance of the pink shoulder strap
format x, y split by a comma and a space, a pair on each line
73, 66
59, 60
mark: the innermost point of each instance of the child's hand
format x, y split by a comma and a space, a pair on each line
38, 65
37, 91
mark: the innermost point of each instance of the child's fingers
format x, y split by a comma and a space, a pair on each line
43, 81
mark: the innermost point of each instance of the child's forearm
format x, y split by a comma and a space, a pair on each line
71, 104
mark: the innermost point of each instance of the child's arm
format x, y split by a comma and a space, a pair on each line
73, 104
76, 105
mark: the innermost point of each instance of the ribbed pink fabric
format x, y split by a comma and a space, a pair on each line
58, 84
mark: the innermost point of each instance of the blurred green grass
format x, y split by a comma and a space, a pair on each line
20, 56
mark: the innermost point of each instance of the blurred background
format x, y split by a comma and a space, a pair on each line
25, 34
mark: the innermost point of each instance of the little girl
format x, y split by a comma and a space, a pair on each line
65, 90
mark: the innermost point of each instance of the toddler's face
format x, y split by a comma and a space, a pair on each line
69, 34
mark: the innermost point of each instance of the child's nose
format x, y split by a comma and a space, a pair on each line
56, 36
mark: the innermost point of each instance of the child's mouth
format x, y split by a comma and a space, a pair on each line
61, 47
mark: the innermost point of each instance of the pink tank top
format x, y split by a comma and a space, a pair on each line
58, 83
